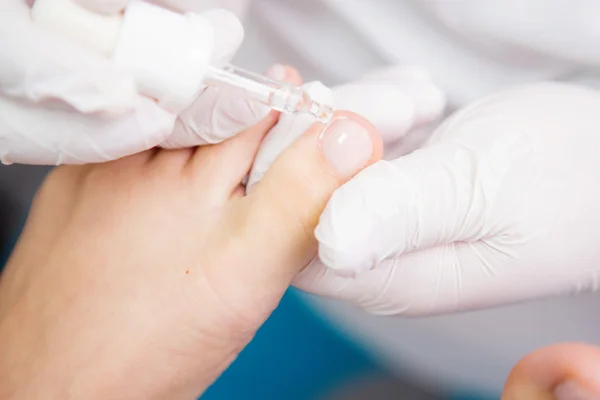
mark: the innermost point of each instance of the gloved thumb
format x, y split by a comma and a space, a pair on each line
428, 198
284, 207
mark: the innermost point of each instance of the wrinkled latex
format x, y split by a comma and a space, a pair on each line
61, 103
500, 206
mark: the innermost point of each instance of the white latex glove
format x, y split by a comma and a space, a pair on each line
63, 103
501, 206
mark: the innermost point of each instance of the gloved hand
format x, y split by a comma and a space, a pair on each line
61, 103
501, 206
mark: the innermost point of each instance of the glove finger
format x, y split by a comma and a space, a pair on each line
390, 108
429, 101
473, 183
33, 134
42, 67
393, 208
415, 241
444, 279
229, 34
406, 97
449, 278
217, 114
221, 113
426, 283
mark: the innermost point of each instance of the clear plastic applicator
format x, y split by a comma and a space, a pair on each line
279, 96
168, 54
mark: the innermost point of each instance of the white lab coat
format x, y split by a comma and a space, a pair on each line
471, 48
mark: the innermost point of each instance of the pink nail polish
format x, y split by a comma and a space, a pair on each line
347, 146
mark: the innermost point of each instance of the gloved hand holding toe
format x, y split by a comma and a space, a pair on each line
499, 207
